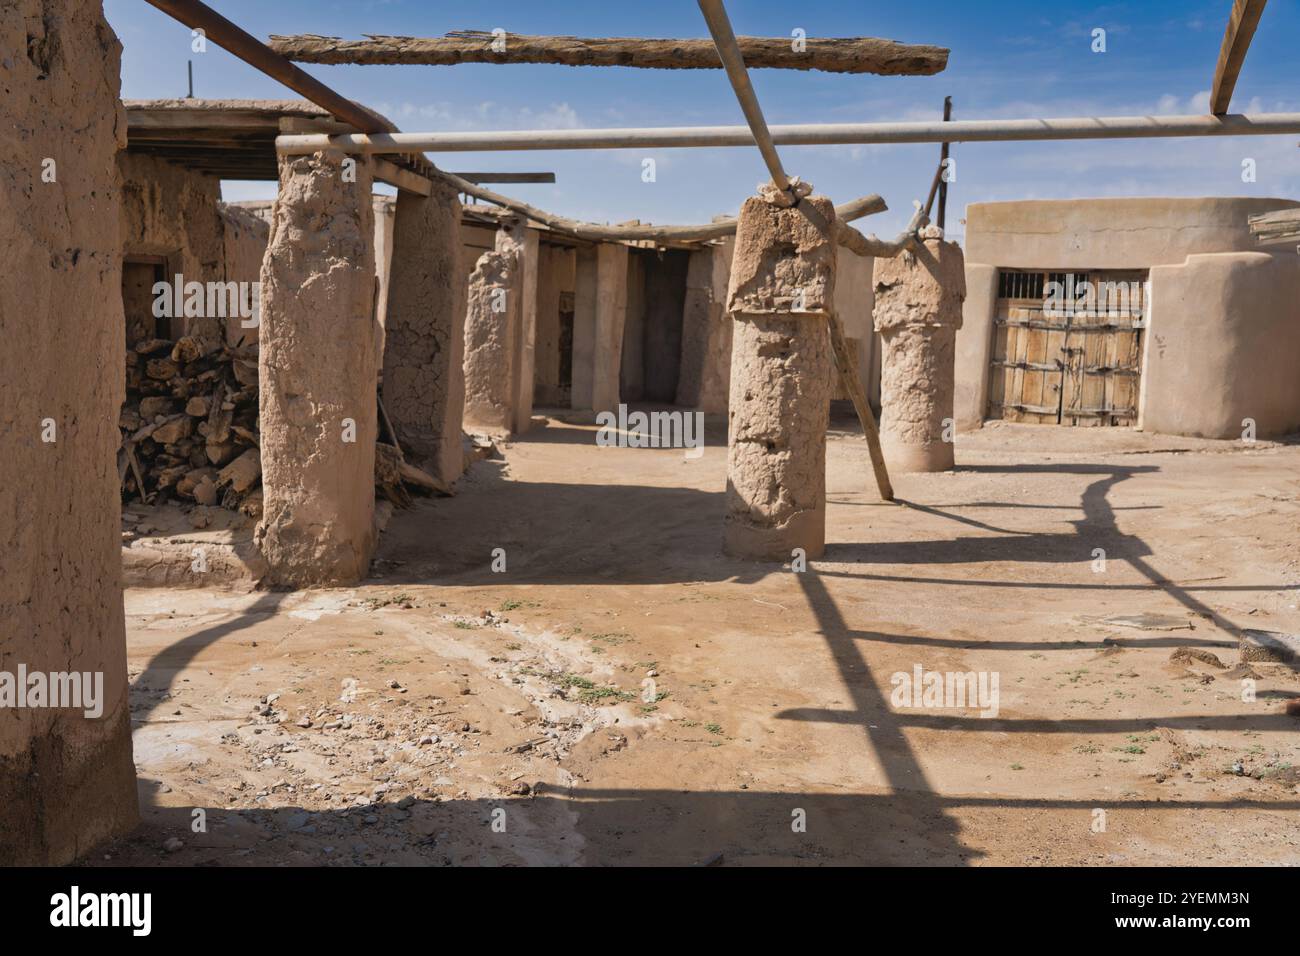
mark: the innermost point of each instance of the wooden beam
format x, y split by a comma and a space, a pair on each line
507, 177
395, 175
830, 54
856, 209
197, 15
846, 363
1273, 226
1242, 23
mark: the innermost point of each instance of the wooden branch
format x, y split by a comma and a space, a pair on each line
829, 54
861, 245
586, 230
1236, 41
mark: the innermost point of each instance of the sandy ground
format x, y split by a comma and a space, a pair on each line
622, 693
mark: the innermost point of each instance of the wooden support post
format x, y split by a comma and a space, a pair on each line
1242, 23
844, 361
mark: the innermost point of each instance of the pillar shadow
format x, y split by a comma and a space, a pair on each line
161, 671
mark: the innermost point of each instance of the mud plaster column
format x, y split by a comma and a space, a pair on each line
917, 313
491, 330
318, 372
66, 779
706, 330
600, 310
524, 241
781, 289
424, 345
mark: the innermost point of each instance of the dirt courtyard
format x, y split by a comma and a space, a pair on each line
622, 693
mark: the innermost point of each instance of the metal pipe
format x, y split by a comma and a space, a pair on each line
824, 134
724, 38
257, 54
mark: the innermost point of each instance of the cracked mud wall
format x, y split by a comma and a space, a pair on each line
317, 373
781, 290
918, 311
67, 781
424, 336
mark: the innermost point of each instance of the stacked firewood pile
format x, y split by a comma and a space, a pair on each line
189, 431
189, 425
1276, 226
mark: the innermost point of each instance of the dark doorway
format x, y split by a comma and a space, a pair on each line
566, 347
661, 331
139, 274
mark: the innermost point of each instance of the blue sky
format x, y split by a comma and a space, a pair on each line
1009, 59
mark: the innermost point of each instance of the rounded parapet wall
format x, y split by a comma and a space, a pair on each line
1063, 234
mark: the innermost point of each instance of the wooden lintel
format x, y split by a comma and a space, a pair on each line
1242, 23
395, 175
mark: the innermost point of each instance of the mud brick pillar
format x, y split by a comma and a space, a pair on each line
424, 347
780, 294
600, 311
523, 242
66, 777
492, 332
317, 374
917, 313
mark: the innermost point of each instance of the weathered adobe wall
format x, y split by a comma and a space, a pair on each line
855, 298
525, 243
477, 239
244, 238
1142, 233
1224, 346
600, 311
491, 324
555, 278
631, 379
385, 210
66, 781
424, 385
168, 210
316, 371
705, 371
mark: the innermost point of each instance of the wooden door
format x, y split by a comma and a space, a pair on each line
1067, 347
